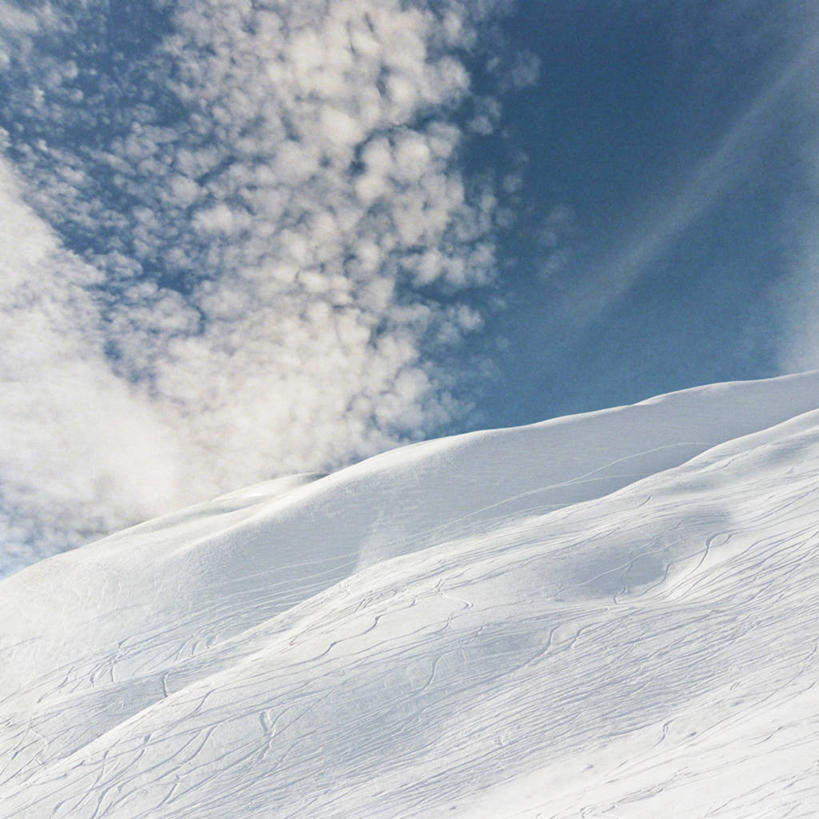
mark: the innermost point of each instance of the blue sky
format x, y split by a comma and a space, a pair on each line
679, 136
241, 238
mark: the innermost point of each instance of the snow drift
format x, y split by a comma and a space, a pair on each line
610, 614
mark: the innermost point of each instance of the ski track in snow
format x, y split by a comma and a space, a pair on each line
612, 615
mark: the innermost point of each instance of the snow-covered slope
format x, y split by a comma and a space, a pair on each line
611, 614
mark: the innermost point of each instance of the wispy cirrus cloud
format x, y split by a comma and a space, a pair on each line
231, 251
713, 177
798, 295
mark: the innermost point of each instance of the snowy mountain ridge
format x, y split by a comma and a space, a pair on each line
610, 614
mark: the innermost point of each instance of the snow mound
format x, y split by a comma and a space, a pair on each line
605, 614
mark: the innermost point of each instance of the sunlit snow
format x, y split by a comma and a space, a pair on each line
605, 615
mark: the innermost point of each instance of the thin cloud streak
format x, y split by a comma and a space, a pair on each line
799, 294
713, 178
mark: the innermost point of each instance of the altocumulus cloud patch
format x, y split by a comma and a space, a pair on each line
235, 237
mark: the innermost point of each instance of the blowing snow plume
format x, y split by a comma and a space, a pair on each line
234, 249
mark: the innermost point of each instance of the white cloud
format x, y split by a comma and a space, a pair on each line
525, 70
16, 19
80, 450
247, 306
487, 115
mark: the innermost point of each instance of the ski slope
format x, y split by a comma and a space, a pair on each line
606, 615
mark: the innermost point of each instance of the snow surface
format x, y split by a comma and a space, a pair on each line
605, 615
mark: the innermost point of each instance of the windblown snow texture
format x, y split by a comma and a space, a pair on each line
611, 614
